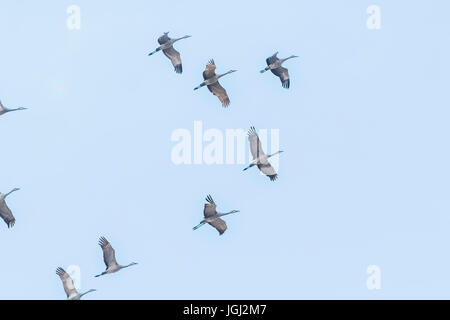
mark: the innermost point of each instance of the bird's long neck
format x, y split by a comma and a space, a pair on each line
13, 190
128, 265
273, 154
283, 60
224, 214
224, 74
91, 290
184, 37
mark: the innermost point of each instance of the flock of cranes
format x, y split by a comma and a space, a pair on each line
211, 215
211, 79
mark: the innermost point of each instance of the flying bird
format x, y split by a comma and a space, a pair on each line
212, 82
213, 217
260, 159
69, 288
274, 65
109, 257
4, 110
166, 45
5, 212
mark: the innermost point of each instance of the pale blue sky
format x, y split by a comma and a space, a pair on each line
364, 178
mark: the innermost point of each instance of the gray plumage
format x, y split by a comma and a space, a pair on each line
4, 110
212, 82
212, 217
274, 65
69, 288
109, 257
166, 45
260, 159
5, 212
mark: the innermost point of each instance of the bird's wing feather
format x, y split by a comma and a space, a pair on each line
268, 170
67, 282
109, 255
283, 74
255, 144
219, 224
2, 108
174, 57
209, 70
163, 39
6, 214
220, 93
210, 207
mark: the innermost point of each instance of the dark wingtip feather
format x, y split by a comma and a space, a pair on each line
273, 177
286, 84
179, 68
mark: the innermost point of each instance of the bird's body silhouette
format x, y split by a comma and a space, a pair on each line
212, 217
109, 257
5, 211
274, 65
69, 288
166, 45
4, 110
211, 80
260, 159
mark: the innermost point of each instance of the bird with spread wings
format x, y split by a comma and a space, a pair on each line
260, 159
211, 80
212, 217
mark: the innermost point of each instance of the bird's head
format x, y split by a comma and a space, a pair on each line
166, 33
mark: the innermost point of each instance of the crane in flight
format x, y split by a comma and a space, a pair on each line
69, 288
274, 65
166, 45
260, 159
211, 80
5, 211
109, 257
212, 216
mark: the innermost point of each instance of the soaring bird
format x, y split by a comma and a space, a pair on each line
69, 288
213, 217
274, 65
109, 257
5, 212
260, 159
4, 110
166, 45
212, 82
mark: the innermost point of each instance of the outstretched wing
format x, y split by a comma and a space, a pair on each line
268, 170
67, 282
109, 255
175, 58
163, 39
283, 74
255, 144
6, 214
210, 207
219, 224
209, 70
220, 93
